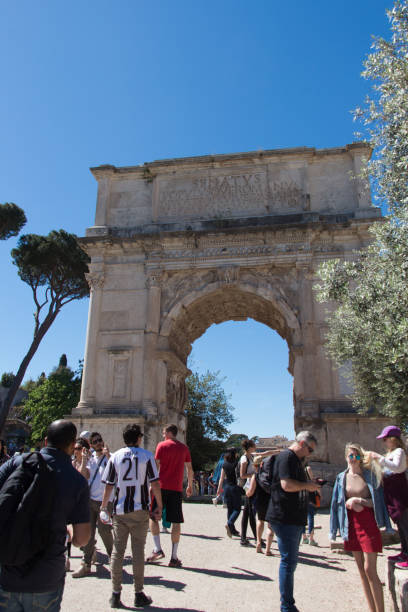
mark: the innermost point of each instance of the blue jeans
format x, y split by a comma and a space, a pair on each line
288, 537
31, 602
232, 496
311, 511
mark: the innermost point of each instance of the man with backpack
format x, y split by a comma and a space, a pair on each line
40, 494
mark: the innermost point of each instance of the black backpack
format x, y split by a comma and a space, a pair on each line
26, 507
265, 474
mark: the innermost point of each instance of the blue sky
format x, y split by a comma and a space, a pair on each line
88, 83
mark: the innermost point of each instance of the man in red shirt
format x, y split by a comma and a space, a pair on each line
171, 456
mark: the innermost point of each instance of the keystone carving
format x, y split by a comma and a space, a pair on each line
228, 275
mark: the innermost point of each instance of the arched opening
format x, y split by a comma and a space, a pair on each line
253, 358
216, 303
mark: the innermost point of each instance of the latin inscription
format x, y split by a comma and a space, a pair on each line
228, 195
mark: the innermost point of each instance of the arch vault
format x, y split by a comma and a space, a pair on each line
181, 244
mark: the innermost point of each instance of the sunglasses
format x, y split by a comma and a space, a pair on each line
353, 456
96, 440
309, 448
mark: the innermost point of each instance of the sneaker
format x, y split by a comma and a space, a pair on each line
175, 562
245, 542
313, 543
400, 557
84, 570
228, 530
115, 601
155, 556
235, 532
142, 600
305, 541
402, 565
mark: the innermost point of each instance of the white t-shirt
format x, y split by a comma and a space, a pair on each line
96, 488
130, 469
394, 462
249, 469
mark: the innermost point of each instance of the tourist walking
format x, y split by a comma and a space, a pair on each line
96, 465
357, 511
287, 510
232, 492
246, 470
260, 500
128, 474
395, 485
38, 585
171, 458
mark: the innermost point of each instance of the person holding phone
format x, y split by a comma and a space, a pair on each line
97, 462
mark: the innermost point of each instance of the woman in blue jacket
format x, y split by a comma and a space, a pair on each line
357, 511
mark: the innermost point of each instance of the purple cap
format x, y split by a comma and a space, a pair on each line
391, 430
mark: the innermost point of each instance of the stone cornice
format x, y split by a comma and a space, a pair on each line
220, 160
313, 220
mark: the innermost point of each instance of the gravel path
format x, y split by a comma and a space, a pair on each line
218, 575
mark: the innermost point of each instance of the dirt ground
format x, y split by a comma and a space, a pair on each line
219, 575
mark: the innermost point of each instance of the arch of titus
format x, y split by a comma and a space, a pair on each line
181, 244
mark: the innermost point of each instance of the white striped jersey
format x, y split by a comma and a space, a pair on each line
130, 469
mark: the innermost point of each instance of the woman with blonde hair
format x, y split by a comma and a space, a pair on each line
357, 511
394, 464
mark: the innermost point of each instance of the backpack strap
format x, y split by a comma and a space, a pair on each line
96, 471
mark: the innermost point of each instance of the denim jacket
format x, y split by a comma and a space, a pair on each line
338, 510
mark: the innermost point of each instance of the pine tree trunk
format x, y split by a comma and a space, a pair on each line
8, 402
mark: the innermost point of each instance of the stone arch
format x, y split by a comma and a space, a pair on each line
180, 244
220, 302
227, 298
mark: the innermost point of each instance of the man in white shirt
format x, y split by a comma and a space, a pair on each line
95, 468
130, 472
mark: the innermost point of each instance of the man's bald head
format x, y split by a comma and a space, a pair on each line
61, 434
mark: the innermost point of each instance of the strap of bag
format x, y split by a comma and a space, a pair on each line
96, 471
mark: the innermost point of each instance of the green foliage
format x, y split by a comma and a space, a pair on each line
208, 415
52, 398
54, 262
12, 219
7, 379
368, 327
385, 114
54, 266
235, 440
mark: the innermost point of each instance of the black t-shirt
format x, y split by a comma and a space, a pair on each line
72, 507
230, 473
284, 507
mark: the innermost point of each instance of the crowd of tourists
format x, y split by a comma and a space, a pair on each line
58, 497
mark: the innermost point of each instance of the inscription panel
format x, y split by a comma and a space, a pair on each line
255, 192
